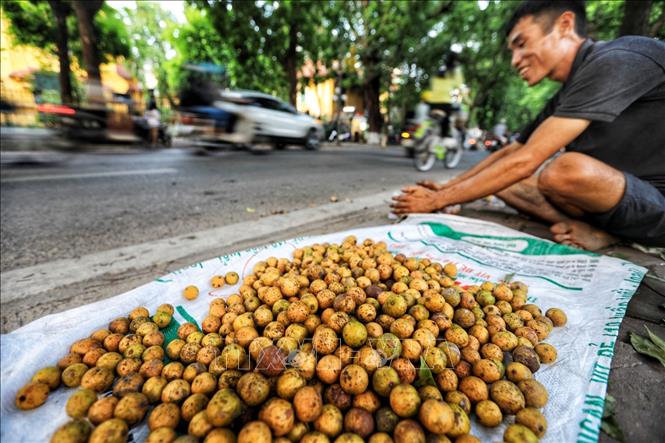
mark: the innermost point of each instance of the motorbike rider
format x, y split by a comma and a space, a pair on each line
152, 117
609, 183
501, 131
422, 109
199, 94
446, 85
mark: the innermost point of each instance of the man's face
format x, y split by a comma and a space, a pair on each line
535, 54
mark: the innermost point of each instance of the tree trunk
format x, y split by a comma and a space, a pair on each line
635, 17
290, 63
372, 89
61, 11
85, 13
164, 89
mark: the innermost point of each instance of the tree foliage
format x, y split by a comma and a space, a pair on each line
268, 40
195, 41
151, 29
391, 35
52, 26
246, 33
389, 46
32, 23
113, 38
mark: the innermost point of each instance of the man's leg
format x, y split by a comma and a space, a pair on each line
154, 135
527, 198
570, 186
577, 185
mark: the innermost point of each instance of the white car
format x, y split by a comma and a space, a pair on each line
255, 118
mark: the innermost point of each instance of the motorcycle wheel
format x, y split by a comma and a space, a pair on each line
453, 157
424, 158
166, 141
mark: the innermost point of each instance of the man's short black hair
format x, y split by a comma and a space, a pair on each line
548, 11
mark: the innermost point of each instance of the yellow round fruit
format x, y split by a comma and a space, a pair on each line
191, 292
231, 278
217, 281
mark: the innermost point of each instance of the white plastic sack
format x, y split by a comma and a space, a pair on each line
593, 290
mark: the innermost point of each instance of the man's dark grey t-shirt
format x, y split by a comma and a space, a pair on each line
620, 87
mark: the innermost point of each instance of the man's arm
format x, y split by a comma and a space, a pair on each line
470, 172
496, 156
516, 165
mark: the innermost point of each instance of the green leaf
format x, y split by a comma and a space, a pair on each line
425, 377
657, 340
608, 423
610, 406
645, 346
611, 428
509, 277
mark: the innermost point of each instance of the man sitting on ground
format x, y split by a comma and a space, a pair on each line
609, 183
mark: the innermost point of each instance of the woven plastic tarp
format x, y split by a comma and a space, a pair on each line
593, 290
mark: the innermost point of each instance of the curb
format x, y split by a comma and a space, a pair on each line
19, 284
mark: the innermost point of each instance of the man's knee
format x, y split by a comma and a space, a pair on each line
569, 173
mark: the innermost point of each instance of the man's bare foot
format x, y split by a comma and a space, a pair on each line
581, 235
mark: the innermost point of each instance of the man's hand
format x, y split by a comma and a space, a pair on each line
415, 199
431, 185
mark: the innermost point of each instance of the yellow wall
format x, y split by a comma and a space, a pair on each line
111, 79
317, 99
15, 58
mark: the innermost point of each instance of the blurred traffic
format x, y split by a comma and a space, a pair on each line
210, 113
166, 87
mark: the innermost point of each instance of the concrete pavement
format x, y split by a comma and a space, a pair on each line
31, 292
102, 201
99, 224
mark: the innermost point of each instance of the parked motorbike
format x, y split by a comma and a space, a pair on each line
142, 130
334, 135
493, 142
430, 146
473, 139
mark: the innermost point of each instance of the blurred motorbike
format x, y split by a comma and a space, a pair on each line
493, 142
431, 146
80, 124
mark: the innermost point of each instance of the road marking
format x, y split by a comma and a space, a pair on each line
89, 175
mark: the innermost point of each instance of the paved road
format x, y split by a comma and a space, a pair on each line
95, 202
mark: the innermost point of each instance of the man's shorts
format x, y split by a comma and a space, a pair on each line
639, 216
